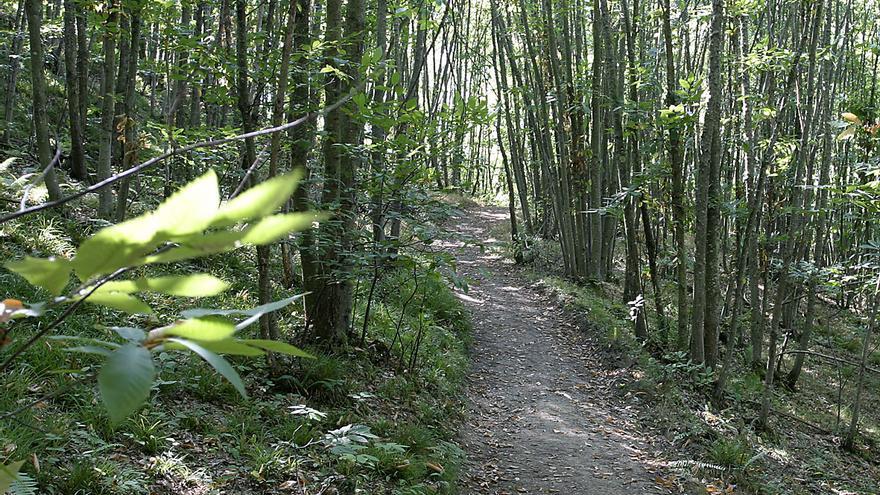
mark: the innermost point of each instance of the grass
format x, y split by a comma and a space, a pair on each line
197, 435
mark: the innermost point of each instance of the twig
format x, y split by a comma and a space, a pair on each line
793, 418
830, 358
27, 190
63, 316
176, 151
257, 164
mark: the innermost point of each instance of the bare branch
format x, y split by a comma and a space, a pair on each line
176, 151
36, 180
63, 316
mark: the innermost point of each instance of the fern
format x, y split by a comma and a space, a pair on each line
24, 485
687, 463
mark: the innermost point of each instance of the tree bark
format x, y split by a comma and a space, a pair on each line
108, 107
71, 79
33, 10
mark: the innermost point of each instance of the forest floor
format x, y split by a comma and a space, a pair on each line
543, 413
562, 399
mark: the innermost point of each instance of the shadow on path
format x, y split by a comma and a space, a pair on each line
540, 419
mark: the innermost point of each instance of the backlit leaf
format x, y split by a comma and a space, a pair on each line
275, 227
192, 208
197, 285
218, 363
258, 201
207, 329
186, 212
125, 380
121, 301
279, 347
51, 274
233, 347
117, 246
197, 245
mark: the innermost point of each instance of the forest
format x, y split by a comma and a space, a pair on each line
439, 246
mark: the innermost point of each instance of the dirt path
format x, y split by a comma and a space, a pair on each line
542, 418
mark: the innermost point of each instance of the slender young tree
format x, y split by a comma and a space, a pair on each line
71, 80
108, 108
33, 10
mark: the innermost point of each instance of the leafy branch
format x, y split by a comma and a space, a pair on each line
190, 224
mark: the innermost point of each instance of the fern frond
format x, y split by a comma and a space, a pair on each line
24, 485
688, 463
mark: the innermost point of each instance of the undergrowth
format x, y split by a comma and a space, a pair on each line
716, 449
301, 429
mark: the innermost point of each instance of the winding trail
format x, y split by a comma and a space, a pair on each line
542, 418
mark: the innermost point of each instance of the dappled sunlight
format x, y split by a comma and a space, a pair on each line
467, 298
539, 411
177, 475
489, 247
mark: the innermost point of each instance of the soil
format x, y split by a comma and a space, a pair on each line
544, 416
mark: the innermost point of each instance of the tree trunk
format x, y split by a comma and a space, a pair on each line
676, 158
850, 439
14, 68
704, 322
130, 142
108, 107
38, 81
71, 79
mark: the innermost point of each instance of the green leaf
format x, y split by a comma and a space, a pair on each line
197, 285
218, 363
210, 329
51, 274
121, 301
186, 212
192, 208
9, 475
131, 334
258, 201
234, 347
275, 227
117, 246
125, 380
214, 242
257, 311
279, 347
198, 245
178, 254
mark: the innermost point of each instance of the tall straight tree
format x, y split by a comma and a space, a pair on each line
108, 108
71, 80
128, 118
34, 15
14, 69
676, 160
332, 301
704, 321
